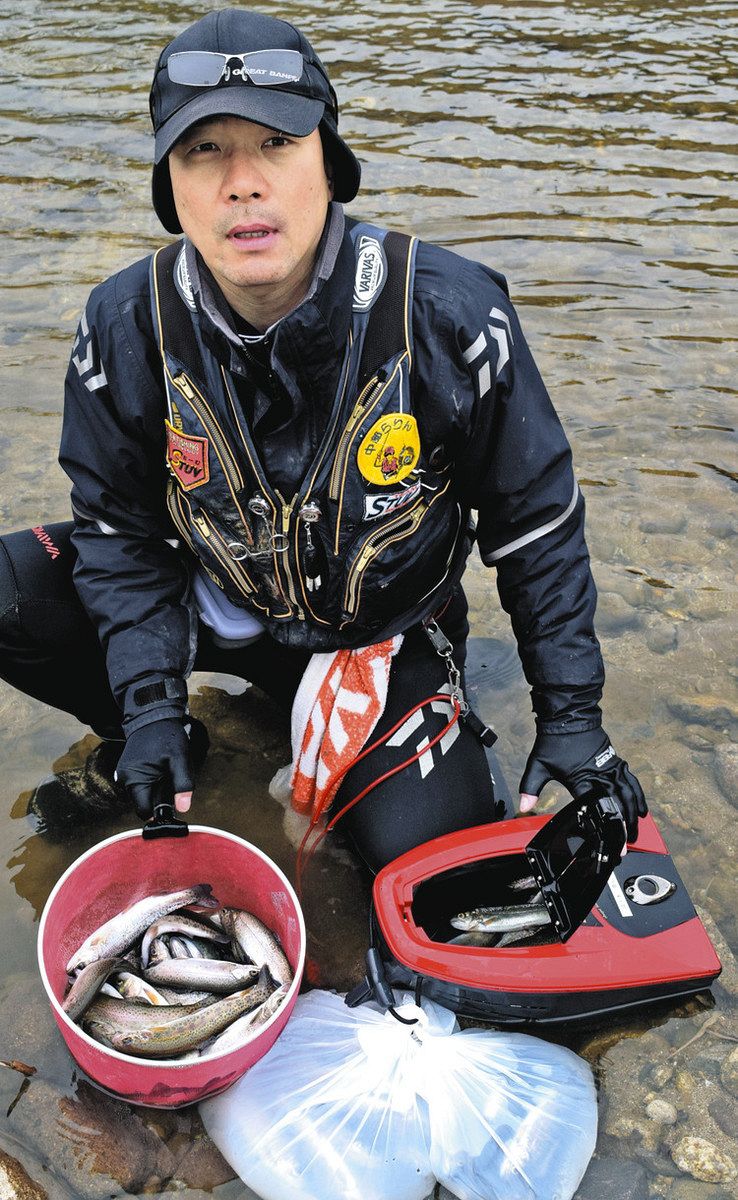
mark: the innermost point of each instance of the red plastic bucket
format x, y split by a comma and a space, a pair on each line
124, 869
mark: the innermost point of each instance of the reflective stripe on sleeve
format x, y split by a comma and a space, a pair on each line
533, 536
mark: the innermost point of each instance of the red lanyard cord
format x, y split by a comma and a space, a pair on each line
305, 855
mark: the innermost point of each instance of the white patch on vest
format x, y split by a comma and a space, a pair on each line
183, 281
371, 272
383, 504
604, 757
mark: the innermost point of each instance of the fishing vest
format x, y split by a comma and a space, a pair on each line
374, 539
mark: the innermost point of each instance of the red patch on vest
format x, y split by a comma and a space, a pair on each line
187, 456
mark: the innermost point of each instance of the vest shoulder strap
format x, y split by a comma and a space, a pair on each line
389, 327
172, 321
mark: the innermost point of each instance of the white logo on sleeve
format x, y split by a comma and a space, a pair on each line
371, 272
86, 358
498, 329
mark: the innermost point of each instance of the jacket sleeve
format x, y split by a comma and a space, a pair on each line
514, 467
129, 576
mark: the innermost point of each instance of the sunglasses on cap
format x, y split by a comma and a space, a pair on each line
263, 68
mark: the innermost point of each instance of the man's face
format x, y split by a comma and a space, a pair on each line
254, 203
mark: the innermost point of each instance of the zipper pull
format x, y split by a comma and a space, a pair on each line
309, 514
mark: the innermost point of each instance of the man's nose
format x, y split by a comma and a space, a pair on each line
244, 178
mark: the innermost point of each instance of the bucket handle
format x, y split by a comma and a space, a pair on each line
163, 822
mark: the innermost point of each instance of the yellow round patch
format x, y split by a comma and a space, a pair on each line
390, 449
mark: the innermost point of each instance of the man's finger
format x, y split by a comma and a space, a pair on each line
142, 795
182, 801
527, 802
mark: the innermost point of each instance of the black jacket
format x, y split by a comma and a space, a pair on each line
488, 440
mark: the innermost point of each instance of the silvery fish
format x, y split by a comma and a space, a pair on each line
158, 952
203, 974
254, 942
473, 938
241, 1029
500, 920
122, 930
180, 924
132, 987
180, 948
159, 1032
88, 982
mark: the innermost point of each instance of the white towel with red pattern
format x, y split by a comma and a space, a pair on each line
341, 697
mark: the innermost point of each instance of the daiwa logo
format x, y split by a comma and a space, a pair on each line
604, 757
381, 506
371, 272
184, 283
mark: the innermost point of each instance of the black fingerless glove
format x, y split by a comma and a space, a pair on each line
581, 761
160, 759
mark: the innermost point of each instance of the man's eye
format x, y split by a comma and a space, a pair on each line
203, 148
278, 140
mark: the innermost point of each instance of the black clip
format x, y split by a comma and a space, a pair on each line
164, 823
486, 735
374, 986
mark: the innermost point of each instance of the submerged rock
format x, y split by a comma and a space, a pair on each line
618, 1179
729, 1073
726, 770
703, 1160
16, 1183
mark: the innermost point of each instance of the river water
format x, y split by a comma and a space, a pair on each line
588, 151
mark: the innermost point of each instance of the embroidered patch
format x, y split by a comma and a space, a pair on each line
390, 449
371, 272
187, 455
389, 502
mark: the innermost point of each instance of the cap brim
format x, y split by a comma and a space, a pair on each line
295, 115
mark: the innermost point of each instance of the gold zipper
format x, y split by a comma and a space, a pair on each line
178, 517
371, 392
285, 555
210, 534
202, 410
399, 529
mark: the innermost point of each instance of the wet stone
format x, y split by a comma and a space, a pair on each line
724, 1112
729, 1073
662, 639
671, 523
16, 1183
618, 1179
660, 1074
690, 1189
704, 710
703, 1160
726, 771
92, 1141
662, 1112
616, 616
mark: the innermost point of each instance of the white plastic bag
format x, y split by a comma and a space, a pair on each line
511, 1117
331, 1112
351, 1104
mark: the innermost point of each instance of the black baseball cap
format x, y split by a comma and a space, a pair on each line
295, 104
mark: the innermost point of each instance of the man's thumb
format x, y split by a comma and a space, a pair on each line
534, 778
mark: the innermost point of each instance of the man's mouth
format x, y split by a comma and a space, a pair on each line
244, 233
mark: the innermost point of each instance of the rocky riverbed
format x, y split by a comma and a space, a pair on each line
667, 1076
